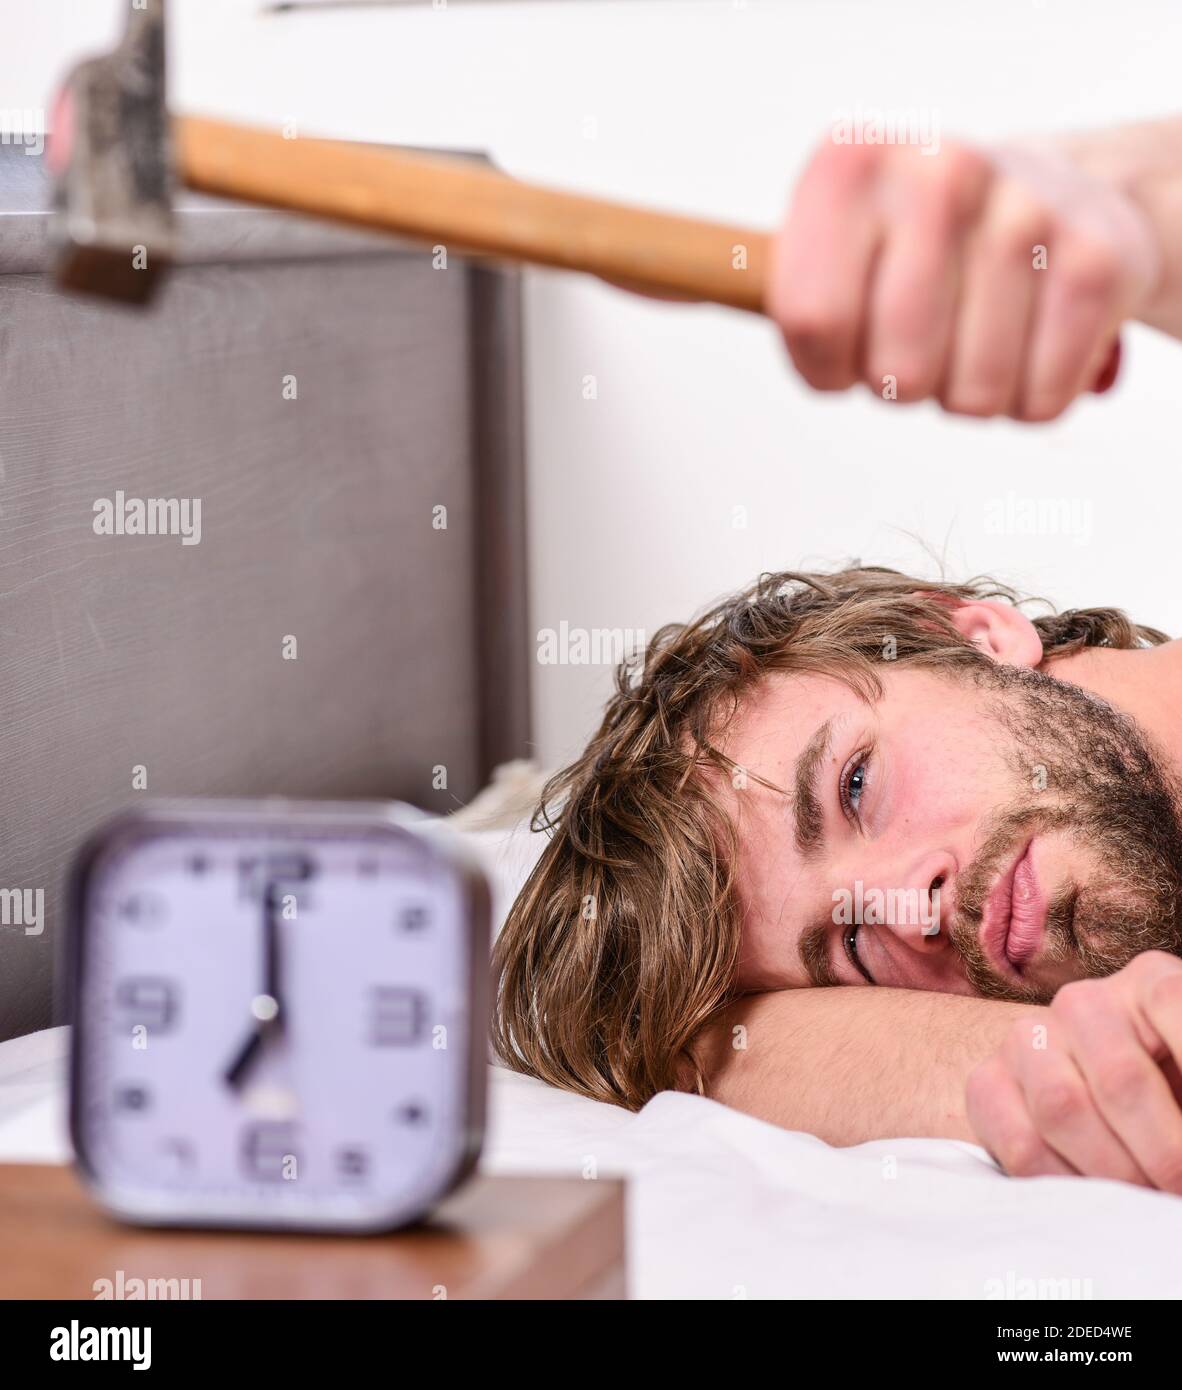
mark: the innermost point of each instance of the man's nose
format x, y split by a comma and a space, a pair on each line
914, 904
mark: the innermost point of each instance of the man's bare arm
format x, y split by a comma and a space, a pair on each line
1145, 162
850, 1065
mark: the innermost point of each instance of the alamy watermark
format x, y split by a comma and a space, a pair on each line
25, 128
580, 646
1012, 515
133, 1288
149, 516
888, 907
23, 907
872, 125
80, 1342
1013, 1286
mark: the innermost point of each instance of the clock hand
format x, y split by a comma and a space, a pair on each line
266, 1007
235, 1073
271, 907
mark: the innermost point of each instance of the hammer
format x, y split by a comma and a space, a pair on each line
117, 155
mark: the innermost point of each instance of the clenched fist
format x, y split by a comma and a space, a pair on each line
1091, 1086
995, 282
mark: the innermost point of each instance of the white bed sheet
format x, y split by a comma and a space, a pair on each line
724, 1206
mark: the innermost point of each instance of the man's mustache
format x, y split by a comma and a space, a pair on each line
1005, 840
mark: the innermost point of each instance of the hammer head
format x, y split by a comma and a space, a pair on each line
111, 155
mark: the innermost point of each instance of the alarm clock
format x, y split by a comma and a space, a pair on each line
279, 1014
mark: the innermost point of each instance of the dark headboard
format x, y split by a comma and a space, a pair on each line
318, 522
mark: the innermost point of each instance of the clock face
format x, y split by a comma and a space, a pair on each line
274, 1019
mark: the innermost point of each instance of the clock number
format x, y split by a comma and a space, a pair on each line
268, 1151
353, 1163
147, 1000
257, 875
145, 909
413, 918
132, 1097
179, 1154
397, 1016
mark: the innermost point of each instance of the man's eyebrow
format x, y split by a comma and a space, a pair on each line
806, 808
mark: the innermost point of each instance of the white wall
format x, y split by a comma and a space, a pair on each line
712, 107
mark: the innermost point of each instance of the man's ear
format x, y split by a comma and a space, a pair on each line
1000, 630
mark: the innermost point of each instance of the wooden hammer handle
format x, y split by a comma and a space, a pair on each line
470, 208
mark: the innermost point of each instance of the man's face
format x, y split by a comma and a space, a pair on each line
996, 834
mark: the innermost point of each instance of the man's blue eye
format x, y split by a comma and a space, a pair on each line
853, 784
854, 787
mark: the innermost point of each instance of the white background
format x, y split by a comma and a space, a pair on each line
711, 107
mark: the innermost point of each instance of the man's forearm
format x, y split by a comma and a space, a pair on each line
850, 1065
1145, 161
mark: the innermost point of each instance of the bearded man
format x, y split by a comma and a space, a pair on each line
1003, 790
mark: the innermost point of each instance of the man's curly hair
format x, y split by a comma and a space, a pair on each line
624, 941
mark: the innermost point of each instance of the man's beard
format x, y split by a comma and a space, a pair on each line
1107, 792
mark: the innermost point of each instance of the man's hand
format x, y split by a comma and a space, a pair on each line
995, 282
1093, 1087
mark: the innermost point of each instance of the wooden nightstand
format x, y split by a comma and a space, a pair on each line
545, 1238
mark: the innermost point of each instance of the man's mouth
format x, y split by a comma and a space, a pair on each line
1015, 915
